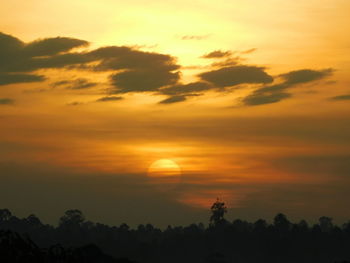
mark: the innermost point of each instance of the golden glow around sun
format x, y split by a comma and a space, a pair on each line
164, 168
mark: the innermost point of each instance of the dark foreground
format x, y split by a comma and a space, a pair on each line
29, 240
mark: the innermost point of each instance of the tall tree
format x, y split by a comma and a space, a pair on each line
218, 211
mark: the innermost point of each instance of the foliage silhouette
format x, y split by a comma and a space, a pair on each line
16, 249
222, 242
218, 210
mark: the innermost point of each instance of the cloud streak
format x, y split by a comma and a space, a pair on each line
217, 54
181, 89
235, 75
173, 99
6, 79
6, 101
275, 93
76, 84
341, 97
109, 98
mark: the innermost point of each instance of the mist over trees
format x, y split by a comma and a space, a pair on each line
77, 239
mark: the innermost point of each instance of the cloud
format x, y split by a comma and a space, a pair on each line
10, 47
304, 76
264, 98
80, 83
52, 46
226, 58
235, 75
56, 61
275, 93
60, 83
74, 103
18, 57
341, 97
173, 99
6, 79
133, 70
181, 89
138, 71
217, 54
248, 51
116, 58
226, 63
109, 98
6, 101
142, 80
143, 71
195, 37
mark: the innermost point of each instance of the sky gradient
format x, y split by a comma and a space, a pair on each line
250, 98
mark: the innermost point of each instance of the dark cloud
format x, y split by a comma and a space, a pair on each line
17, 56
230, 76
265, 98
173, 99
226, 63
52, 46
133, 70
304, 76
80, 83
10, 48
60, 83
217, 54
144, 71
248, 51
138, 71
116, 58
181, 89
56, 61
226, 58
6, 101
275, 93
142, 80
109, 98
74, 103
23, 64
6, 79
341, 97
235, 75
273, 88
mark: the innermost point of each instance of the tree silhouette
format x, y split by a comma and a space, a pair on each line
72, 217
325, 223
5, 215
33, 220
84, 241
218, 210
281, 223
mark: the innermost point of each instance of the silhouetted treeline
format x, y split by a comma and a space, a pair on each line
222, 241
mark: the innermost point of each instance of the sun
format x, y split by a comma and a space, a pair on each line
164, 174
164, 168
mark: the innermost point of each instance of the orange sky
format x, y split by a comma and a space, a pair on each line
250, 98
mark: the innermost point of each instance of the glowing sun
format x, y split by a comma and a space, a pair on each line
164, 168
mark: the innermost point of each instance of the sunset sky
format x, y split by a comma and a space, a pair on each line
147, 111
